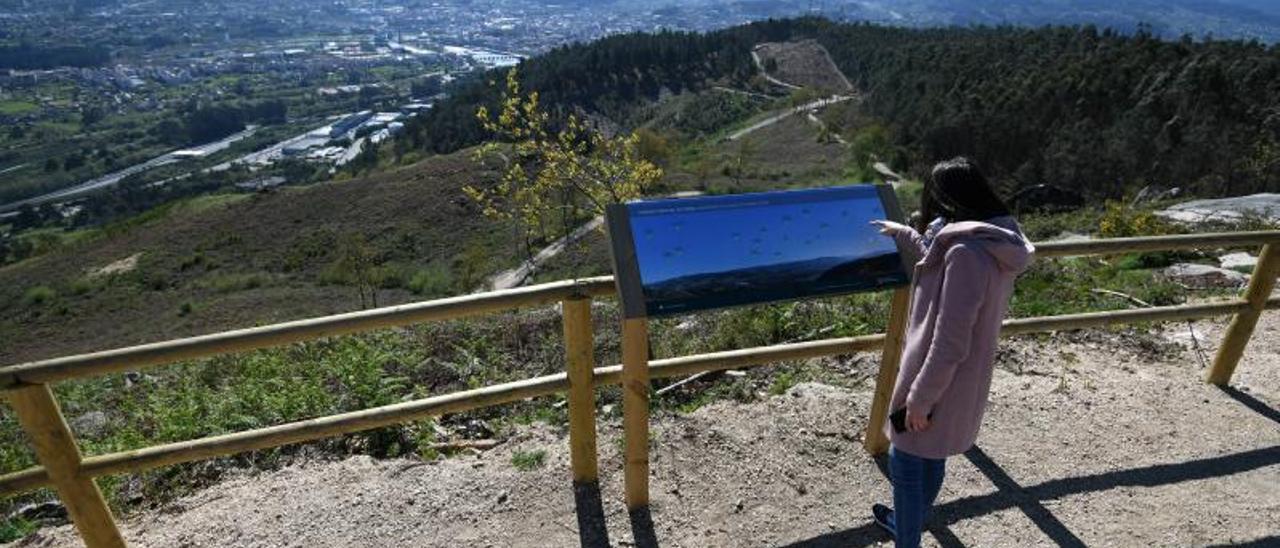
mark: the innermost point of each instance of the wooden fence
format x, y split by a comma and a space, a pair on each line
26, 386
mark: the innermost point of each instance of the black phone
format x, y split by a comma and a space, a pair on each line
899, 420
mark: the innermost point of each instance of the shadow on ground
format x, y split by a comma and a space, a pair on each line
1008, 494
590, 509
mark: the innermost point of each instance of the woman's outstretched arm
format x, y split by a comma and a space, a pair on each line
908, 239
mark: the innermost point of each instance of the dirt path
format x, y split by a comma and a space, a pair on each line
755, 56
1098, 439
805, 108
517, 276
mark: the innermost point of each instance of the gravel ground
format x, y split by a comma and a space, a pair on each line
1093, 438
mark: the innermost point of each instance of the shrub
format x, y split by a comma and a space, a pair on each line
39, 295
1121, 221
1045, 225
192, 261
81, 286
433, 281
783, 382
525, 461
231, 283
155, 281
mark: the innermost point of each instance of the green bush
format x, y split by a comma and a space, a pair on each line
230, 283
85, 285
39, 295
1066, 286
434, 281
783, 381
192, 261
1121, 221
1042, 226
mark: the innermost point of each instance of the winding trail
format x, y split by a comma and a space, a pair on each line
517, 276
805, 108
755, 56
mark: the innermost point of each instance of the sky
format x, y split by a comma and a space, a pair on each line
724, 233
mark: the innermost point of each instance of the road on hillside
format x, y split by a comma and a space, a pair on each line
805, 108
760, 65
111, 179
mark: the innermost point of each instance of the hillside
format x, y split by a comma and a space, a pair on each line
236, 260
231, 260
1095, 111
806, 64
1096, 438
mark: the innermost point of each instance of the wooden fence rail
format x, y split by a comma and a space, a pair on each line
26, 385
150, 355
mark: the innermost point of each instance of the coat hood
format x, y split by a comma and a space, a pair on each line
1000, 237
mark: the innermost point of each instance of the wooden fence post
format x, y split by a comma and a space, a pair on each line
874, 441
635, 410
56, 448
1242, 326
579, 349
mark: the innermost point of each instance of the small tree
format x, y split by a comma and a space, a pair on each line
742, 159
553, 177
359, 263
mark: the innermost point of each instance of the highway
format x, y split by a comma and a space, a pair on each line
113, 178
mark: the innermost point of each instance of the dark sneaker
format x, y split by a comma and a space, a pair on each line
884, 518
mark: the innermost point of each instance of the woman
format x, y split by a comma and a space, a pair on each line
969, 253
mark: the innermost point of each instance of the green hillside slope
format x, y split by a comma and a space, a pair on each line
220, 263
1077, 107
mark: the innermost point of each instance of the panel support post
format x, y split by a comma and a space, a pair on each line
635, 410
579, 350
874, 441
40, 416
1244, 322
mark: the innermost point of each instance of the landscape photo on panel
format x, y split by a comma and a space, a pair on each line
719, 251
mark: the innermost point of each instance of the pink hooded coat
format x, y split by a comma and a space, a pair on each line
961, 292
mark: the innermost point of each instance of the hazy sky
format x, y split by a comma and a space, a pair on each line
731, 232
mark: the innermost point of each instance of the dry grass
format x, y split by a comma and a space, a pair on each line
413, 217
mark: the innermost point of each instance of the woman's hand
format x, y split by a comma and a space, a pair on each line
917, 422
889, 228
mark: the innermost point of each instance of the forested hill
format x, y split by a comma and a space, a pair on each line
609, 76
1079, 107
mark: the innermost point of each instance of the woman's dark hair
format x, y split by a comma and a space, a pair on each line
958, 191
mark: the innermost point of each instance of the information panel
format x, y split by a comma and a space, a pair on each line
685, 254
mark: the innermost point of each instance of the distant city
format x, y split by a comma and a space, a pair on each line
93, 92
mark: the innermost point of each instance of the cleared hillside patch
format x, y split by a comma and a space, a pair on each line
804, 63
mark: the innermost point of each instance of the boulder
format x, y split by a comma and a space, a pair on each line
1240, 262
1201, 276
90, 425
49, 511
1266, 206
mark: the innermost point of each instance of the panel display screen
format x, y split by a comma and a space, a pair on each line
680, 255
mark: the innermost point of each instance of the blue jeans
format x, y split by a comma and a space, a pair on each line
916, 482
